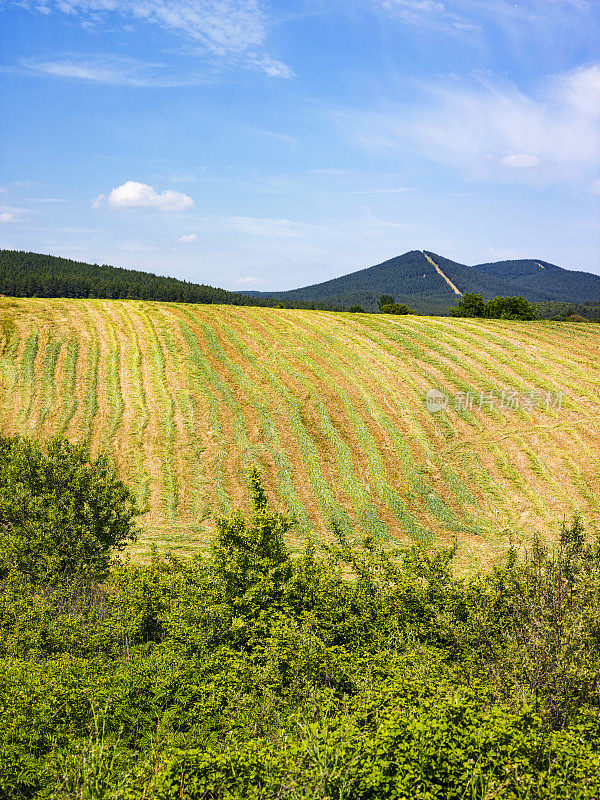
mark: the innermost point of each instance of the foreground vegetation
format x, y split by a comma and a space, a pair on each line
347, 672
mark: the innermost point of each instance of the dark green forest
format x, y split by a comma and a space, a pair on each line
34, 275
348, 670
565, 311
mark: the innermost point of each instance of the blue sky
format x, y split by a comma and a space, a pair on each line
262, 145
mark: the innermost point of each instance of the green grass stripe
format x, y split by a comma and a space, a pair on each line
89, 401
48, 380
463, 348
333, 355
136, 399
167, 408
112, 361
531, 370
486, 385
421, 487
562, 376
503, 465
69, 400
590, 493
367, 513
9, 372
27, 378
456, 485
399, 342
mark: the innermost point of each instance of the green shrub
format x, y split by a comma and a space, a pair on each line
62, 515
473, 305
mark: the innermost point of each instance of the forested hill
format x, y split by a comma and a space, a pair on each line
34, 275
429, 282
534, 277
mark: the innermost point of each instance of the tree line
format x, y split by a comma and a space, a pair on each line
34, 275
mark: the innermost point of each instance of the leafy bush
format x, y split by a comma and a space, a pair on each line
473, 305
396, 308
61, 514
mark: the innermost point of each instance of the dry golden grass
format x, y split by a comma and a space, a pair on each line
331, 407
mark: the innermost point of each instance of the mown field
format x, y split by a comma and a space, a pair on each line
330, 406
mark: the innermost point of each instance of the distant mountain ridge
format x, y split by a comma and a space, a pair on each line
429, 282
423, 280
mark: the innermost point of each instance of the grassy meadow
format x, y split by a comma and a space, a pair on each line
329, 406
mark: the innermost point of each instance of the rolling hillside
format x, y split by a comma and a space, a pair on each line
330, 406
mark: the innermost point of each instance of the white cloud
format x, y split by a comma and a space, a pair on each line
556, 129
188, 237
133, 194
520, 161
273, 68
6, 216
581, 91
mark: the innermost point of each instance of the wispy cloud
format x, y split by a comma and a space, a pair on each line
255, 226
272, 67
492, 130
188, 238
222, 28
7, 216
523, 28
520, 161
112, 71
508, 15
133, 194
249, 280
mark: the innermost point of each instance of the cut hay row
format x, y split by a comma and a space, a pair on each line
331, 407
